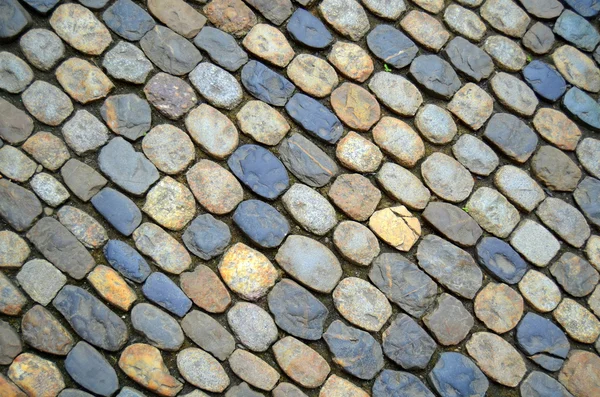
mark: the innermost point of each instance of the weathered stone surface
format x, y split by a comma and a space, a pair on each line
555, 169
205, 289
15, 74
260, 170
128, 63
111, 286
587, 153
84, 132
216, 85
582, 107
535, 243
407, 344
499, 258
263, 123
478, 157
565, 220
580, 373
47, 149
12, 299
311, 210
169, 51
91, 370
169, 148
472, 105
126, 261
403, 186
497, 358
361, 303
396, 226
446, 177
544, 80
346, 16
399, 141
265, 84
49, 189
253, 369
464, 22
212, 131
592, 250
14, 20
577, 30
301, 363
13, 250
425, 30
539, 39
261, 222
307, 29
161, 290
584, 8
18, 206
118, 210
42, 331
557, 128
400, 384
47, 103
16, 125
579, 323
511, 136
454, 223
575, 274
391, 46
207, 333
337, 386
253, 326
469, 59
160, 329
435, 124
207, 237
41, 280
177, 15
577, 68
231, 16
215, 188
170, 203
275, 11
15, 165
221, 48
540, 291
10, 344
315, 118
128, 20
514, 94
82, 179
455, 372
312, 75
356, 243
306, 160
499, 307
507, 54
435, 75
505, 16
519, 187
542, 341
587, 197
242, 390
167, 252
493, 212
79, 27
539, 384
170, 95
268, 43
36, 376
284, 389
543, 10
351, 60
358, 153
83, 81
355, 106
449, 322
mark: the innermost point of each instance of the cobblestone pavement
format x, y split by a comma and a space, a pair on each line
325, 198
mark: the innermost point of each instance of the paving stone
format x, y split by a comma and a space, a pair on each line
169, 51
472, 105
284, 389
435, 75
514, 94
535, 243
399, 141
311, 210
167, 253
544, 80
542, 341
475, 155
84, 132
128, 63
10, 344
320, 271
130, 392
497, 358
315, 118
565, 220
15, 165
361, 304
178, 15
355, 106
15, 74
348, 17
242, 390
543, 10
13, 250
355, 196
500, 259
265, 84
14, 20
42, 331
206, 237
164, 292
582, 107
456, 372
577, 30
144, 364
592, 250
386, 9
403, 186
446, 177
358, 154
557, 128
157, 327
519, 187
207, 333
36, 376
79, 27
312, 75
351, 60
42, 6
261, 222
577, 68
19, 207
540, 291
252, 325
91, 370
453, 223
425, 30
296, 310
499, 307
170, 203
118, 210
231, 16
128, 20
579, 323
587, 197
82, 179
391, 46
396, 226
449, 321
401, 384
50, 190
306, 160
127, 115
507, 54
11, 300
435, 124
469, 59
356, 243
301, 363
356, 351
83, 81
511, 136
307, 29
216, 85
91, 319
263, 123
16, 125
505, 16
205, 289
493, 212
407, 344
47, 149
111, 286
575, 274
47, 103
585, 8
253, 369
539, 39
464, 22
269, 44
41, 280
73, 393
222, 48
337, 386
275, 11
170, 95
212, 131
580, 373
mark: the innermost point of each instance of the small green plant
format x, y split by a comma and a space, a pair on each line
529, 58
465, 209
386, 68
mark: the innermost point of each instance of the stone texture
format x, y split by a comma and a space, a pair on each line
253, 369
544, 80
205, 289
396, 226
88, 367
511, 136
16, 125
178, 15
268, 43
397, 93
83, 81
216, 85
169, 148
160, 329
337, 386
475, 155
231, 16
435, 124
519, 187
500, 259
391, 46
169, 51
212, 131
170, 204
575, 274
587, 155
265, 84
356, 243
493, 212
579, 323
12, 299
128, 20
307, 161
351, 60
314, 118
128, 63
275, 11
18, 206
446, 177
50, 190
505, 16
455, 372
263, 123
206, 237
577, 68
535, 243
555, 169
355, 106
402, 384
42, 331
111, 286
161, 290
14, 20
15, 165
580, 374
347, 17
407, 344
15, 74
202, 370
469, 59
170, 95
36, 376
514, 94
118, 210
358, 154
13, 250
209, 334
464, 22
403, 186
307, 29
79, 27
84, 132
47, 103
425, 30
221, 48
126, 261
435, 75
262, 223
507, 54
453, 223
542, 341
399, 141
312, 75
557, 128
301, 363
582, 107
472, 105
40, 280
47, 149
540, 291
311, 210
167, 253
252, 325
577, 30
10, 344
565, 220
361, 303
449, 322
499, 307
539, 39
587, 198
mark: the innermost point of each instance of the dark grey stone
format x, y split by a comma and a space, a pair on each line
538, 384
60, 247
454, 223
587, 196
15, 124
576, 275
403, 283
128, 20
91, 319
356, 351
42, 6
265, 84
407, 344
399, 384
207, 333
130, 392
161, 290
543, 341
577, 30
94, 4
19, 207
81, 179
539, 38
276, 11
501, 260
435, 75
544, 80
261, 222
158, 327
456, 375
242, 390
555, 169
221, 48
260, 170
127, 115
469, 59
391, 46
91, 370
296, 310
585, 8
169, 51
42, 331
13, 19
307, 161
582, 107
315, 118
206, 237
118, 210
126, 260
511, 136
10, 343
307, 29
543, 9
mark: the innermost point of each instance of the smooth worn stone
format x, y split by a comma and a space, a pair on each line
111, 286
544, 80
577, 30
435, 124
207, 333
284, 389
36, 376
391, 46
170, 95
499, 307
42, 331
396, 226
493, 212
170, 204
215, 188
464, 22
212, 131
10, 344
511, 136
433, 6
453, 223
407, 344
361, 304
307, 161
577, 68
580, 374
50, 190
91, 370
144, 364
576, 275
216, 85
14, 20
94, 4
311, 210
565, 220
263, 123
435, 75
351, 61
449, 265
314, 118
507, 54
296, 310
160, 329
91, 319
261, 222
47, 103
400, 384
356, 243
252, 325
514, 94
472, 105
446, 177
84, 132
539, 39
348, 17
557, 128
320, 271
47, 149
178, 15
265, 84
585, 8
355, 195
356, 351
41, 280
15, 165
497, 358
312, 75
582, 107
19, 207
205, 289
543, 9
386, 9
79, 27
542, 341
127, 115
42, 6
500, 259
275, 11
355, 106
165, 250
206, 237
449, 321
221, 48
82, 180
11, 300
399, 141
535, 243
469, 59
253, 369
15, 125
592, 250
505, 16
242, 390
13, 250
337, 386
403, 283
538, 384
161, 290
128, 20
268, 43
403, 186
475, 155
425, 30
579, 323
301, 363
555, 169
587, 197
307, 29
128, 63
169, 51
15, 74
519, 187
456, 373
231, 16
83, 81
118, 210
358, 154
73, 393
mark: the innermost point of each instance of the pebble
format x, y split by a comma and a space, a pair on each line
542, 341
435, 124
47, 149
296, 310
80, 28
42, 331
91, 319
499, 307
577, 68
511, 136
355, 106
348, 17
565, 220
269, 44
493, 212
253, 369
164, 292
435, 75
399, 141
47, 103
356, 351
499, 258
14, 20
88, 367
557, 128
446, 177
469, 59
11, 300
336, 387
455, 372
587, 155
265, 84
449, 322
111, 286
391, 46
216, 85
284, 389
231, 16
453, 223
519, 187
19, 207
592, 250
514, 94
128, 63
40, 280
275, 11
118, 210
15, 165
314, 118
351, 60
475, 155
401, 384
579, 323
580, 373
252, 325
311, 210
307, 29
540, 291
128, 20
472, 105
127, 115
15, 74
539, 384
361, 304
312, 75
207, 333
507, 54
562, 175
425, 30
320, 271
177, 15
160, 329
464, 22
169, 51
355, 195
535, 243
10, 344
13, 250
263, 123
36, 376
587, 198
358, 154
205, 289
242, 390
166, 251
50, 190
206, 237
81, 179
261, 222
42, 6
544, 80
170, 203
170, 95
575, 275
16, 125
301, 363
497, 358
577, 30
407, 344
356, 243
84, 132
222, 48
212, 131
539, 39
403, 186
144, 364
396, 226
307, 161
506, 16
